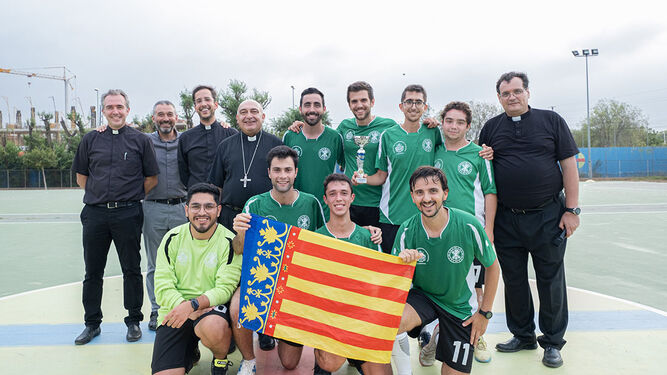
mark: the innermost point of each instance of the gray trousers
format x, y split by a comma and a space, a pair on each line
159, 218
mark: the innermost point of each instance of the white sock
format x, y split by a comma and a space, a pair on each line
400, 354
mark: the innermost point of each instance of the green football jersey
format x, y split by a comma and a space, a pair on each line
359, 236
469, 178
400, 154
445, 272
365, 195
317, 159
305, 212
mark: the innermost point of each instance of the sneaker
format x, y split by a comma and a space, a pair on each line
423, 339
318, 371
427, 354
152, 323
266, 343
220, 366
482, 353
246, 367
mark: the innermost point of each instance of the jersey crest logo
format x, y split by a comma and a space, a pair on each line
303, 221
182, 258
324, 153
455, 254
349, 135
427, 145
375, 136
465, 168
298, 150
438, 163
211, 261
424, 256
400, 148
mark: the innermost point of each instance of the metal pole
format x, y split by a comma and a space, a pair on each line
588, 120
97, 107
292, 96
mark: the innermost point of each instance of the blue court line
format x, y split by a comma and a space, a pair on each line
114, 333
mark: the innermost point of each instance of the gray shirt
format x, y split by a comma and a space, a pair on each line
168, 182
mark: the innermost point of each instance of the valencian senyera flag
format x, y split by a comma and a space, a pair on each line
321, 292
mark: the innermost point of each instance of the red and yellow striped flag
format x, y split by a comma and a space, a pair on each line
318, 291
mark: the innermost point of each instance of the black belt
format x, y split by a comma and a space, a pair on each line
534, 209
169, 201
117, 204
231, 207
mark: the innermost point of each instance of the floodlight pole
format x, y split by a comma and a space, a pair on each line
292, 96
585, 53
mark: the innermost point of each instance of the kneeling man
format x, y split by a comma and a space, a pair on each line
444, 241
195, 277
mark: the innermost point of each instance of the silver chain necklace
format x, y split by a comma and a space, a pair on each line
245, 178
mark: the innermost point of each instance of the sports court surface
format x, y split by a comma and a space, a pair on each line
614, 265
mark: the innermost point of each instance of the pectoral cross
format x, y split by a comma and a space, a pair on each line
245, 180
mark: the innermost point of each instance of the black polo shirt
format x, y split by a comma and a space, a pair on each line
196, 150
116, 164
526, 151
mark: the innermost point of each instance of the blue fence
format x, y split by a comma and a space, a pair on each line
624, 161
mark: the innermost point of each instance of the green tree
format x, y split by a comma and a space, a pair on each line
9, 156
46, 119
41, 158
145, 124
481, 113
614, 124
188, 106
235, 93
278, 126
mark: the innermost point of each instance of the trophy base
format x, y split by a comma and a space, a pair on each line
362, 180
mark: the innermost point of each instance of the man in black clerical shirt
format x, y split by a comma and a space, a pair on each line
534, 159
197, 146
239, 167
115, 167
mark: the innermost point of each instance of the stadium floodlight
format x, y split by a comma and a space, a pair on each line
585, 53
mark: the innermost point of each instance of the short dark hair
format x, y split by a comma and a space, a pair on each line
282, 152
425, 172
204, 187
311, 90
507, 77
205, 87
336, 177
360, 86
413, 88
461, 106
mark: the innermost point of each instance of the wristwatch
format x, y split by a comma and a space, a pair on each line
575, 210
195, 304
486, 314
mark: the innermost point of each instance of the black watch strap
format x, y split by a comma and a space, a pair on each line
195, 304
486, 314
575, 210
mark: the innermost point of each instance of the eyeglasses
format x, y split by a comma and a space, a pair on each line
196, 207
417, 103
516, 93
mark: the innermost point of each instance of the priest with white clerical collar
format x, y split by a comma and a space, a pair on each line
239, 167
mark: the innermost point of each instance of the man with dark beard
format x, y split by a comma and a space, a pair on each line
197, 146
164, 206
319, 147
196, 275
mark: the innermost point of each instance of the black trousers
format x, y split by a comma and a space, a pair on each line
100, 227
388, 236
517, 235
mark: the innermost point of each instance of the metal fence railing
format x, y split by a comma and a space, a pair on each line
32, 178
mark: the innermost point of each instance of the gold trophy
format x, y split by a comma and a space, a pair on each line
361, 141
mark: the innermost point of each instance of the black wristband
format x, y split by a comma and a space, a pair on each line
195, 304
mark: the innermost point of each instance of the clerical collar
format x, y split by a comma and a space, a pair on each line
252, 138
116, 131
520, 117
207, 127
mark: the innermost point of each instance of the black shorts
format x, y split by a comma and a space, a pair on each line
292, 343
174, 347
363, 216
454, 347
480, 270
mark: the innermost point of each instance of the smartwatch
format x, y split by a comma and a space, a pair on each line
575, 210
195, 304
486, 314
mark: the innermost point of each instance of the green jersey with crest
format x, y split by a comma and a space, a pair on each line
400, 153
359, 236
445, 272
317, 159
305, 212
469, 178
365, 195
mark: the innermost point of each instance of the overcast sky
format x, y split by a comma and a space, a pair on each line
457, 50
